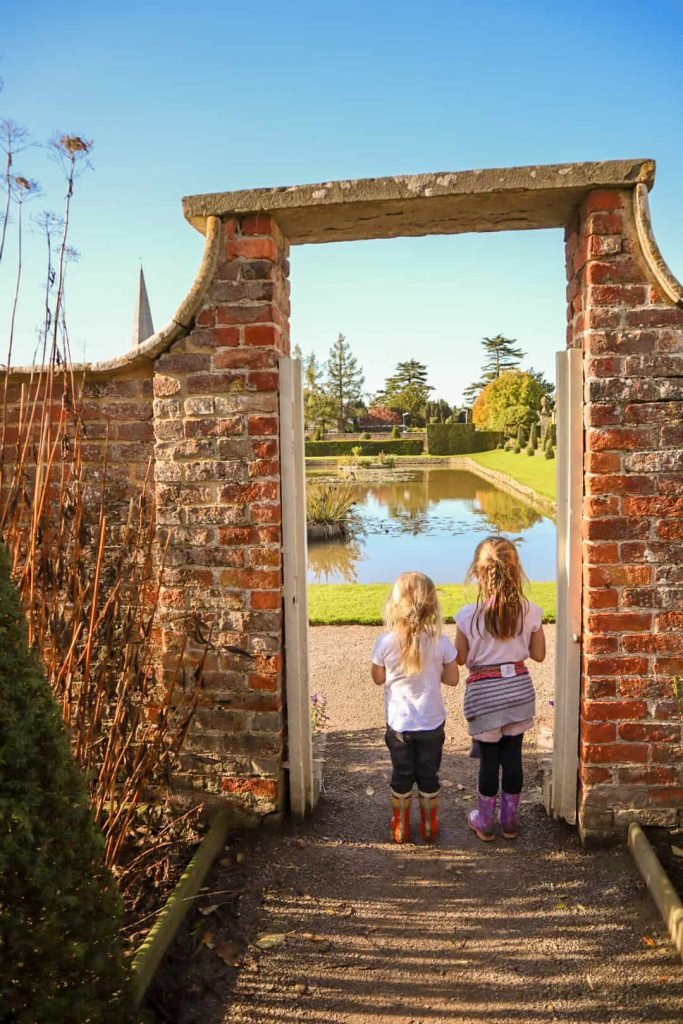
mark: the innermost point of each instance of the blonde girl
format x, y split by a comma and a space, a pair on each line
494, 638
411, 660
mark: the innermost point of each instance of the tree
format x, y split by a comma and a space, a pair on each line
501, 354
548, 387
61, 960
407, 389
344, 384
506, 403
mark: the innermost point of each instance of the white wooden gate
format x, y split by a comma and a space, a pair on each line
293, 496
561, 793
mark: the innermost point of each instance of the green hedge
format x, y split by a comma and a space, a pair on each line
460, 439
332, 448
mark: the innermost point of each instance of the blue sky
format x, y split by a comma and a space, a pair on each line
217, 96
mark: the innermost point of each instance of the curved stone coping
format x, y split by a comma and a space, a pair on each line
493, 199
667, 283
178, 325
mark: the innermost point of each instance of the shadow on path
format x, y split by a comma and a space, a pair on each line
535, 930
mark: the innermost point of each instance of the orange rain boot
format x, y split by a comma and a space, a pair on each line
400, 817
429, 821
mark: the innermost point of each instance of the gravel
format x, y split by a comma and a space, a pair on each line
535, 930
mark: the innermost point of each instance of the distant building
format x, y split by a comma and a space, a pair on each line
143, 328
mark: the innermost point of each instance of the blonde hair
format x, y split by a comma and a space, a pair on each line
500, 579
413, 613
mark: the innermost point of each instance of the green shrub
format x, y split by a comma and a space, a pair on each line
529, 450
533, 436
460, 439
336, 448
59, 912
326, 503
318, 435
357, 451
522, 435
517, 449
364, 436
550, 452
395, 432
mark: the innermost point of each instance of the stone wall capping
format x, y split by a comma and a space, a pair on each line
496, 199
665, 280
176, 328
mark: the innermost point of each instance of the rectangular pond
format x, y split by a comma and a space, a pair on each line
429, 520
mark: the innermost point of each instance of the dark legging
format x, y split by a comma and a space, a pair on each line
505, 754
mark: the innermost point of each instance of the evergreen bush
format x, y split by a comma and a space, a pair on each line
60, 960
395, 432
335, 448
522, 435
318, 435
530, 450
533, 436
364, 436
517, 449
550, 452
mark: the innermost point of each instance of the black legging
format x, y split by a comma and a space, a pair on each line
505, 754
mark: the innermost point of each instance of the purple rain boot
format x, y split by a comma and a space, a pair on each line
482, 820
509, 814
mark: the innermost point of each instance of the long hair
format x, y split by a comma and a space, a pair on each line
500, 579
413, 614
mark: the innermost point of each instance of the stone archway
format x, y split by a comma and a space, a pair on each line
204, 396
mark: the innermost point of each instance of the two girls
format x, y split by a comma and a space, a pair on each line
494, 638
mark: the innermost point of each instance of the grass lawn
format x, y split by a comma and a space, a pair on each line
337, 604
536, 472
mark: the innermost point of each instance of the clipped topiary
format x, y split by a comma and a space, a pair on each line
550, 452
318, 434
395, 432
60, 960
522, 436
533, 436
529, 450
517, 449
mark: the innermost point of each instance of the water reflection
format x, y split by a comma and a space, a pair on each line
430, 519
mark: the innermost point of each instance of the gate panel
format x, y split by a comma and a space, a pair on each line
561, 800
294, 555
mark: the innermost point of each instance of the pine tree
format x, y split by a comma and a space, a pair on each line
407, 389
344, 384
60, 959
501, 354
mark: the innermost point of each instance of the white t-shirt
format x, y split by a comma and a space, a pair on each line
485, 649
413, 703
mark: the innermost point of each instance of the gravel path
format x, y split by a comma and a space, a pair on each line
533, 931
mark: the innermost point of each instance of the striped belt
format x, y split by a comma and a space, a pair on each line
496, 672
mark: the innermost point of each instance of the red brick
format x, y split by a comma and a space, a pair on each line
653, 775
601, 553
225, 337
241, 359
600, 598
618, 439
597, 689
672, 795
652, 505
265, 599
670, 529
614, 753
264, 468
257, 224
620, 483
669, 620
594, 776
616, 528
266, 513
669, 666
623, 271
265, 248
263, 381
262, 334
618, 575
600, 645
250, 579
657, 732
254, 313
265, 449
264, 681
619, 622
603, 200
206, 317
604, 224
602, 462
613, 710
597, 506
258, 426
598, 732
257, 787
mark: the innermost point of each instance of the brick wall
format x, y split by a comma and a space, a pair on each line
630, 725
217, 473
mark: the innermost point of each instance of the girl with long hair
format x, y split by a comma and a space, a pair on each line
411, 660
494, 638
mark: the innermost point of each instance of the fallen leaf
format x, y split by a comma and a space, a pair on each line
461, 788
580, 907
240, 857
446, 784
300, 988
561, 905
468, 797
370, 790
270, 940
225, 862
590, 983
229, 952
208, 939
647, 940
208, 910
677, 851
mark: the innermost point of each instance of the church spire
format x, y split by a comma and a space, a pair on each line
143, 327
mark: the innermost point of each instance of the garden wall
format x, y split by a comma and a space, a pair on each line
631, 756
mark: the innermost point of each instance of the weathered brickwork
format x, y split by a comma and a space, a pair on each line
631, 763
217, 475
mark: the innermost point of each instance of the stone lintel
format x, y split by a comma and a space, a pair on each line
502, 199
